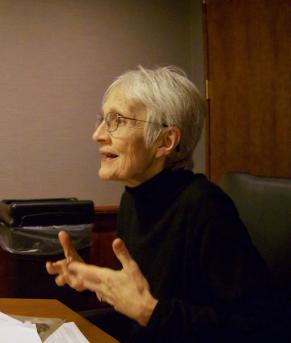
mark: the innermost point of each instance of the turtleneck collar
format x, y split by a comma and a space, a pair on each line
162, 185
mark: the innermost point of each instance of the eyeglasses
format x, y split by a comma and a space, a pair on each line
114, 120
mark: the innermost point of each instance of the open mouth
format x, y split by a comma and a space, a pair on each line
107, 156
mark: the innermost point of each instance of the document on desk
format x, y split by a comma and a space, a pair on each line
67, 333
15, 331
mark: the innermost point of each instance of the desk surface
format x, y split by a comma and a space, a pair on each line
55, 309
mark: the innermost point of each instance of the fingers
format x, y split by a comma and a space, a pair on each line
63, 275
123, 255
128, 263
60, 268
55, 267
60, 280
69, 249
5, 214
66, 244
86, 271
91, 276
49, 268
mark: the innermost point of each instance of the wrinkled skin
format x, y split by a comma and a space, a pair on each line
60, 268
126, 290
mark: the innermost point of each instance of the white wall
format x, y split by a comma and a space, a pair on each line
57, 58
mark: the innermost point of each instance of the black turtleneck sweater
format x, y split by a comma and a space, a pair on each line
189, 242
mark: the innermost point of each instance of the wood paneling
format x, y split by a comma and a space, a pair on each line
103, 235
248, 66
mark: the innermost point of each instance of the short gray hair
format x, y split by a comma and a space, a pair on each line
170, 99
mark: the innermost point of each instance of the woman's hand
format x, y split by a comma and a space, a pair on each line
60, 268
5, 214
126, 290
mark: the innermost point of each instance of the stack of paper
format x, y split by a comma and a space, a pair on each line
67, 333
15, 331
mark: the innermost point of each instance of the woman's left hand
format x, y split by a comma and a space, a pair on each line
126, 290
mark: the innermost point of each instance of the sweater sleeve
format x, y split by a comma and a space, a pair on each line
239, 307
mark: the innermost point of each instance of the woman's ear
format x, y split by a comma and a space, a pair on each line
168, 140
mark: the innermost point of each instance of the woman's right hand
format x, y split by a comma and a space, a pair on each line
60, 268
5, 214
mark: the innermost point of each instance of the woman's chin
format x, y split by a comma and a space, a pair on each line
105, 175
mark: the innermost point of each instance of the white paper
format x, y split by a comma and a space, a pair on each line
18, 333
15, 331
4, 318
67, 333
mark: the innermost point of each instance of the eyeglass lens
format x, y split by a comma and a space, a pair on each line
111, 121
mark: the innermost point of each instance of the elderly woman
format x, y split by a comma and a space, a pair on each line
188, 270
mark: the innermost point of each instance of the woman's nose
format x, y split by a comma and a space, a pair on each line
100, 133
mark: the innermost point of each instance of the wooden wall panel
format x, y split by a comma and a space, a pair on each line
248, 66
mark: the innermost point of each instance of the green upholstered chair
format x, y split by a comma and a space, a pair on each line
264, 205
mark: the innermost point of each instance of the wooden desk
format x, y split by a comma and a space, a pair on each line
54, 308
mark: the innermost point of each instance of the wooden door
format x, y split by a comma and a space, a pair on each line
248, 48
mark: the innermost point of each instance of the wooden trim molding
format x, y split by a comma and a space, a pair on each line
107, 209
105, 218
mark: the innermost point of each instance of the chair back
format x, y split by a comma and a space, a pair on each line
264, 205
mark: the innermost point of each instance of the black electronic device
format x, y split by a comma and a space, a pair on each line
45, 212
35, 224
